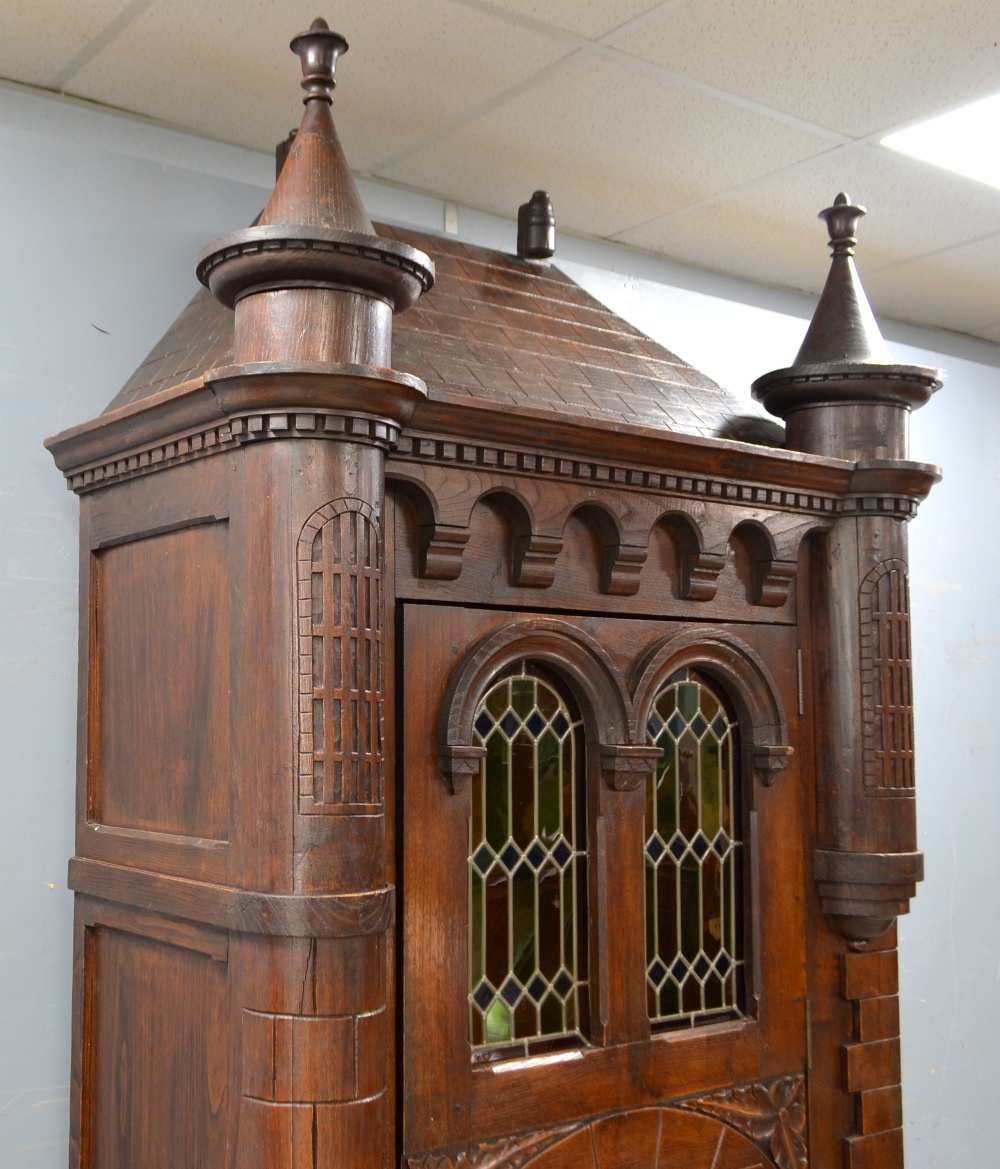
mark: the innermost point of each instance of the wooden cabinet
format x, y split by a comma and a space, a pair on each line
486, 764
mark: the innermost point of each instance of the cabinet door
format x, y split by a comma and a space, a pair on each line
602, 892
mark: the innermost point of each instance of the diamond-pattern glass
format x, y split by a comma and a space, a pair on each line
527, 868
693, 856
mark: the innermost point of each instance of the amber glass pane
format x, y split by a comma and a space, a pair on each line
692, 857
527, 869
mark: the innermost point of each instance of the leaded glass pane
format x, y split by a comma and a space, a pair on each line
527, 869
693, 856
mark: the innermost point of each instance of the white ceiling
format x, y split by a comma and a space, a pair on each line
709, 131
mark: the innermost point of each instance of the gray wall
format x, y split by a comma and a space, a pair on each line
102, 219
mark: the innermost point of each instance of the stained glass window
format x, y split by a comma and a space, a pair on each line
693, 856
527, 869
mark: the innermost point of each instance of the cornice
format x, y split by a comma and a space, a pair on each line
232, 407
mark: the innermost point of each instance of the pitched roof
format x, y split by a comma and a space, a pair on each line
492, 331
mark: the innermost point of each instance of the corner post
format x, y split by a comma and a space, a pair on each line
845, 398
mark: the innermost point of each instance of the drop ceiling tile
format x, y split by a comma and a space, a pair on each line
402, 79
586, 18
961, 286
767, 231
613, 145
41, 36
854, 68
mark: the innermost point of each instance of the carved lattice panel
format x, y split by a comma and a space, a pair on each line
341, 755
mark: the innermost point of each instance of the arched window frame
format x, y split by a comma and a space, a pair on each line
695, 861
589, 674
538, 872
764, 751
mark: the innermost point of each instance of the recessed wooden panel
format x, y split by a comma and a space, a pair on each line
160, 684
156, 1087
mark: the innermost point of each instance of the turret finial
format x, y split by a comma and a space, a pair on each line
842, 221
318, 49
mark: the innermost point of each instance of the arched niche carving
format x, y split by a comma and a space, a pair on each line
621, 560
699, 568
770, 576
532, 554
440, 546
573, 654
759, 709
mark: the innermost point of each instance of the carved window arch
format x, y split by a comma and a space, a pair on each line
528, 984
693, 854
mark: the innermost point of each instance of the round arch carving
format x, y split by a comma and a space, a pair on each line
761, 713
576, 656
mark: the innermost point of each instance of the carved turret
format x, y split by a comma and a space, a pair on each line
845, 398
311, 281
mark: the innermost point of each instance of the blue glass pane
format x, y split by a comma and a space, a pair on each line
509, 724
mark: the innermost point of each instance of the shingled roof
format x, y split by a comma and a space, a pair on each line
493, 331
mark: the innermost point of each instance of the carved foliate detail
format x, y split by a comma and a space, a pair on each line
341, 758
772, 1115
506, 1153
886, 679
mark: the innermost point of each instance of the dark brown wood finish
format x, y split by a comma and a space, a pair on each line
301, 569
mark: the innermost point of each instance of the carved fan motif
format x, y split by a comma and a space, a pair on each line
772, 1116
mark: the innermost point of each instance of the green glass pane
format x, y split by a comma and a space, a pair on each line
688, 694
497, 795
525, 1019
711, 901
477, 916
568, 787
713, 992
667, 924
523, 923
477, 1029
497, 927
522, 788
650, 911
670, 1002
690, 875
549, 921
728, 905
726, 783
687, 775
569, 918
552, 1015
549, 787
666, 788
576, 898
711, 798
498, 1023
498, 700
522, 696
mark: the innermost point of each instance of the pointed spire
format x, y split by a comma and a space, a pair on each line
844, 396
315, 187
313, 256
843, 327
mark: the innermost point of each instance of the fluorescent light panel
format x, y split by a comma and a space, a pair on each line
966, 141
